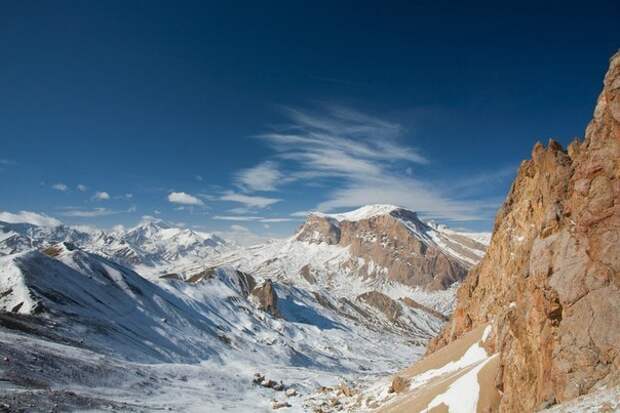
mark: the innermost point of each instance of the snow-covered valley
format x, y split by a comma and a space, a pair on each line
162, 318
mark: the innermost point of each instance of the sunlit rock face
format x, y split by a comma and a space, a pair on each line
393, 243
551, 277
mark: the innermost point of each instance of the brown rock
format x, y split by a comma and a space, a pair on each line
383, 303
550, 279
399, 385
389, 249
267, 298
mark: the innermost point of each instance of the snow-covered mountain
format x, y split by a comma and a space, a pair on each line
155, 309
375, 248
151, 244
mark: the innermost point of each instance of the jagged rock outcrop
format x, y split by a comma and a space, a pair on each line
394, 243
266, 298
550, 282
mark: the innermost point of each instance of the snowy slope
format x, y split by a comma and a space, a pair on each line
67, 303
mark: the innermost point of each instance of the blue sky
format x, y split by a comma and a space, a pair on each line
242, 116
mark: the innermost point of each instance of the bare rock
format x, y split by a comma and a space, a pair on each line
258, 378
550, 281
388, 306
390, 249
267, 298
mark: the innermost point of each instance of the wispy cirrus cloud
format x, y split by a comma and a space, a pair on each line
365, 161
275, 220
236, 218
248, 218
249, 201
94, 212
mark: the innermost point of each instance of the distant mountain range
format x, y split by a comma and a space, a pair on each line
153, 243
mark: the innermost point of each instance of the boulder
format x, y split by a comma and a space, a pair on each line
399, 384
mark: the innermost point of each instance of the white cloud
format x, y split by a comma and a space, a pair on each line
249, 200
101, 196
60, 187
262, 177
29, 217
82, 188
241, 235
198, 178
119, 228
90, 229
184, 199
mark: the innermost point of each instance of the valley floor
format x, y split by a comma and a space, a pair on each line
39, 375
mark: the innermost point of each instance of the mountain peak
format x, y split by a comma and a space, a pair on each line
364, 212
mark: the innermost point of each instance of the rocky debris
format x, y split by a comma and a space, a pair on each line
275, 405
268, 383
391, 245
550, 281
267, 298
263, 381
345, 390
291, 392
399, 384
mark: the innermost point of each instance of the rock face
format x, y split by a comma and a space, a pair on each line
394, 243
550, 282
267, 298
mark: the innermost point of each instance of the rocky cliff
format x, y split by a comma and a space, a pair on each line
550, 282
394, 243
